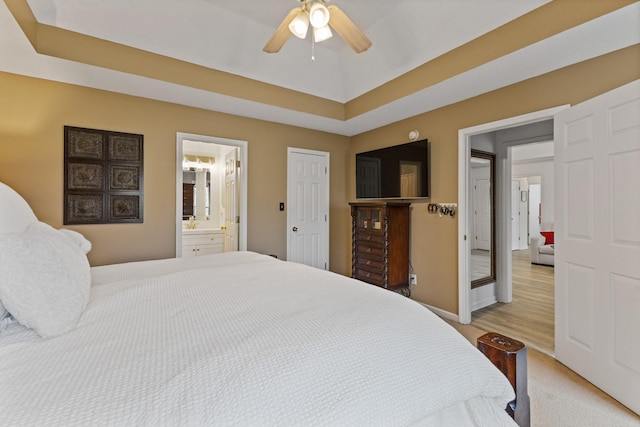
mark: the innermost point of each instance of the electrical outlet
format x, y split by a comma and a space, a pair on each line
413, 279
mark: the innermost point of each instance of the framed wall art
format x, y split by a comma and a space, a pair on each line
103, 176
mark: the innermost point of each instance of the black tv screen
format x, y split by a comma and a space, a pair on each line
397, 172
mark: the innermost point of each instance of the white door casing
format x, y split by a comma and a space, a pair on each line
503, 226
597, 241
308, 207
243, 147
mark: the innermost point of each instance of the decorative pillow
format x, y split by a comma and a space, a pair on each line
15, 213
44, 279
15, 217
548, 237
78, 239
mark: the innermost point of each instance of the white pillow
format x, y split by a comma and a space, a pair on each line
77, 238
44, 279
15, 217
15, 213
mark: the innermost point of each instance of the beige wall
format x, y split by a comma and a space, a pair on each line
433, 239
31, 160
35, 111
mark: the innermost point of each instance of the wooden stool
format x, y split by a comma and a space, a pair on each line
510, 356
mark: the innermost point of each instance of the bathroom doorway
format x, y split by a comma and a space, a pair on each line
208, 218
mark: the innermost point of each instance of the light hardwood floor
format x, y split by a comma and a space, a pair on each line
530, 317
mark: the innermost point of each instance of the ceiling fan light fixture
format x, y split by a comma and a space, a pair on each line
300, 24
318, 15
322, 34
314, 13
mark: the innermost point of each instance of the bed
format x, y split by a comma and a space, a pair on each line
229, 339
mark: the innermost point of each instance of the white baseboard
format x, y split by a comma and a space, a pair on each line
477, 305
442, 313
483, 296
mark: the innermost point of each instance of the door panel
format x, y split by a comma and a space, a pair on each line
598, 241
231, 201
308, 195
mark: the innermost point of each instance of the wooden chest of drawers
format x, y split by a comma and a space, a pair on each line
380, 244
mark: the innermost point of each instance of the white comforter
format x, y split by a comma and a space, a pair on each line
244, 339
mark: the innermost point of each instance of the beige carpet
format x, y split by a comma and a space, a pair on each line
560, 397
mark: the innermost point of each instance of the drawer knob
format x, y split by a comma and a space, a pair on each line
368, 249
368, 261
368, 237
368, 274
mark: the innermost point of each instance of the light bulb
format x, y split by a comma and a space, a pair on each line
300, 24
318, 15
322, 34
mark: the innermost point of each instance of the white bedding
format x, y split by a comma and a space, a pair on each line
245, 339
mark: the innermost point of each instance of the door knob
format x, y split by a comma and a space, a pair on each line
294, 229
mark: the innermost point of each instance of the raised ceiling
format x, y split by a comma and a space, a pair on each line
425, 53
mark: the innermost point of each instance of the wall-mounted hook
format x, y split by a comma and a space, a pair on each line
443, 209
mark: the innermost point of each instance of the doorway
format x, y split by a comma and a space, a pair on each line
504, 133
530, 315
208, 158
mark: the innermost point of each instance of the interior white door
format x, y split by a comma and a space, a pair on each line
231, 218
482, 214
534, 210
597, 243
515, 214
308, 213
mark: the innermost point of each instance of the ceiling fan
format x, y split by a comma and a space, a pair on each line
321, 18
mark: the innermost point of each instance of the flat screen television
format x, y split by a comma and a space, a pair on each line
396, 172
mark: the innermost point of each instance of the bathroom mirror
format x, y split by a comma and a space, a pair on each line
483, 244
196, 186
196, 190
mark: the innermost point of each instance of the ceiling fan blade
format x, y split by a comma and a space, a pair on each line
348, 30
280, 37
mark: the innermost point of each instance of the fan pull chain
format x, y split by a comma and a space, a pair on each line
313, 48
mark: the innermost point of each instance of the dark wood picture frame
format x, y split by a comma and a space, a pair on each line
103, 176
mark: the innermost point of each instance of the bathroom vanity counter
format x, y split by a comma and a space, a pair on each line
202, 241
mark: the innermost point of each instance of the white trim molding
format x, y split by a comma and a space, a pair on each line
244, 169
503, 230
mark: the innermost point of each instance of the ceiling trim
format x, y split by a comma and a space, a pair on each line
542, 23
81, 48
143, 73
